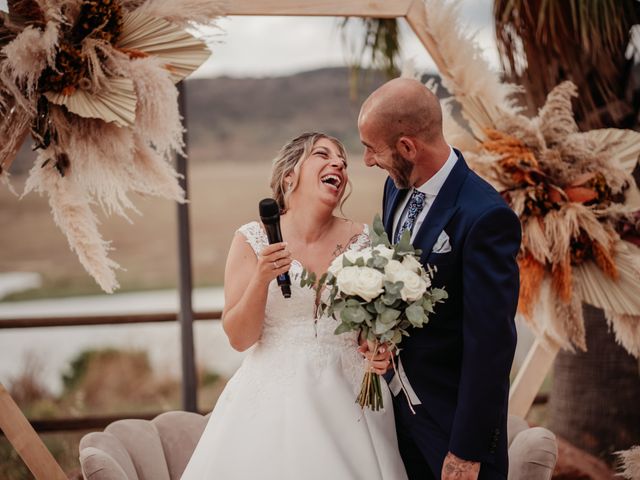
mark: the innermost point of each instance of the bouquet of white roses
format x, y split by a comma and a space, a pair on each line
381, 291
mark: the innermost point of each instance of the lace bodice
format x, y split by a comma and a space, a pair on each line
290, 324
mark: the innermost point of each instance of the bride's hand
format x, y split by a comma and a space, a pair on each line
379, 362
274, 260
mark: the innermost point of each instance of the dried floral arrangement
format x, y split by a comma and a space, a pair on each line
574, 191
92, 82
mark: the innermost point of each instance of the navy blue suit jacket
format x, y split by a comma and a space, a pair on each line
459, 363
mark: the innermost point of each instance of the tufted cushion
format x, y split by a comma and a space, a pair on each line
179, 434
142, 450
97, 464
111, 447
533, 455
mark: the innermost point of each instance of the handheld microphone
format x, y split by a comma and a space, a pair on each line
270, 216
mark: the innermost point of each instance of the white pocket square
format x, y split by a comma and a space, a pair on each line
442, 244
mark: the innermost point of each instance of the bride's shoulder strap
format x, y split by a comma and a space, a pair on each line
362, 241
255, 236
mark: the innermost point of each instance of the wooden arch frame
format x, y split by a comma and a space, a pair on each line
16, 427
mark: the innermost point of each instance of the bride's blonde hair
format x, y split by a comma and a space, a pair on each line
290, 159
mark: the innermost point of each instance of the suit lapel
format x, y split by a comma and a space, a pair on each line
442, 209
395, 198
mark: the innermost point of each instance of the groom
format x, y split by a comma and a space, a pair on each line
456, 369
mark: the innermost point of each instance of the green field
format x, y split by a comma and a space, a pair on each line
223, 195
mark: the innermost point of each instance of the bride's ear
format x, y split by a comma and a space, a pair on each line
288, 182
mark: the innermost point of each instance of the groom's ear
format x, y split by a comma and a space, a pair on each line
407, 147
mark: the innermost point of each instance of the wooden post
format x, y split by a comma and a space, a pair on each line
530, 377
332, 8
417, 20
26, 441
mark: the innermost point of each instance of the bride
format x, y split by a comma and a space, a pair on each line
289, 412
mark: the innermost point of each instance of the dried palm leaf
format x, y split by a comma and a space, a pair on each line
184, 12
544, 321
630, 459
180, 51
570, 322
115, 103
627, 331
622, 145
619, 295
535, 241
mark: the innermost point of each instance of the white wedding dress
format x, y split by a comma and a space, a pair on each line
289, 412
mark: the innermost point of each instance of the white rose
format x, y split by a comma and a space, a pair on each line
362, 281
414, 285
411, 263
392, 270
385, 252
352, 255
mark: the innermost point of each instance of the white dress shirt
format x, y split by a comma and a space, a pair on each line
430, 188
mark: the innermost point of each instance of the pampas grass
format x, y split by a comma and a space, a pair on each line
25, 59
158, 117
464, 70
72, 213
108, 112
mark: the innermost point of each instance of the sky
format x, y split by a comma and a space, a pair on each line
273, 46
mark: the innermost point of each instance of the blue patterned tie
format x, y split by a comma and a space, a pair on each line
414, 207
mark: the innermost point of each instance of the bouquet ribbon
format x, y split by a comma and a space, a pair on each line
401, 382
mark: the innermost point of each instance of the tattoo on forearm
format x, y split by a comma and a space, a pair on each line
455, 467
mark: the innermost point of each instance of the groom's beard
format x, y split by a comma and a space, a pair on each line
400, 171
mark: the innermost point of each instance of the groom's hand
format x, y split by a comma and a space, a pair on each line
455, 468
379, 361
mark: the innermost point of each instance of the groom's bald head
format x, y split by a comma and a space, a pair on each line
403, 107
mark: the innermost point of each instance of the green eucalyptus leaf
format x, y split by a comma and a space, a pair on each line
346, 262
343, 328
378, 234
380, 327
439, 295
371, 308
404, 247
379, 262
427, 305
393, 288
389, 315
415, 314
